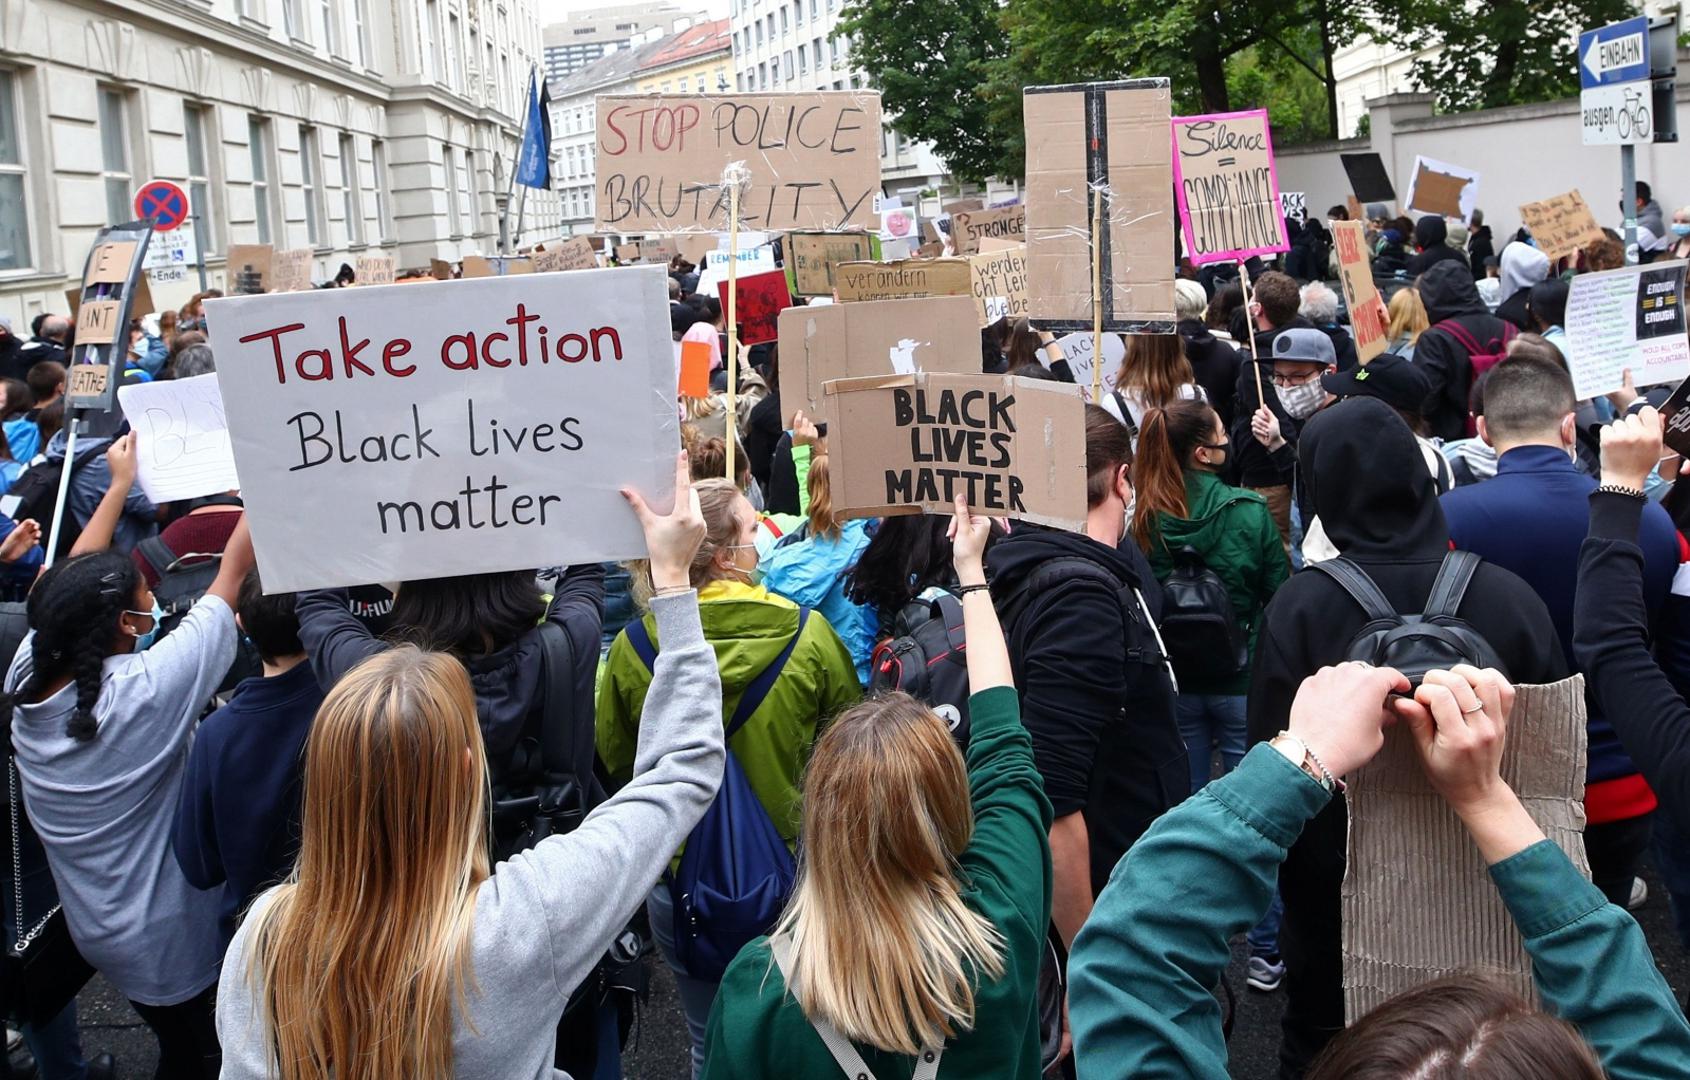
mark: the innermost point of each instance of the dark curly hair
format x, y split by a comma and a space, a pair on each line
74, 610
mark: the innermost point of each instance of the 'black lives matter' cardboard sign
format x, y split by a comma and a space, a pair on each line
912, 444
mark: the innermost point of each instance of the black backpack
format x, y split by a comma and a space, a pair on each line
926, 658
182, 580
37, 492
1199, 626
1415, 644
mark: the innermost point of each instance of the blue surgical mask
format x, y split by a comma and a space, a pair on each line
1681, 228
143, 642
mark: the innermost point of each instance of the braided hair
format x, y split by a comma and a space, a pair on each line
74, 610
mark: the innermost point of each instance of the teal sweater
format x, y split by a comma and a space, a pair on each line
757, 1029
1143, 966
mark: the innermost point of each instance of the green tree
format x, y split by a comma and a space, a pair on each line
1498, 52
930, 61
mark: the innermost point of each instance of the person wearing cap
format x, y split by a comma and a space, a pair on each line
1267, 469
1391, 259
1299, 357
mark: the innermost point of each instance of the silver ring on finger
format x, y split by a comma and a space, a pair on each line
1477, 707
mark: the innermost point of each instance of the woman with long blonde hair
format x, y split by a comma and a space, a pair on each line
1407, 321
394, 950
915, 931
1154, 375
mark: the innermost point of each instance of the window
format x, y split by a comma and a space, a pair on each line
701, 82
114, 155
310, 182
352, 200
798, 12
759, 31
14, 205
472, 208
378, 159
331, 27
803, 65
816, 52
293, 20
358, 46
194, 121
258, 137
453, 212
783, 23
430, 40
790, 71
454, 52
833, 50
813, 15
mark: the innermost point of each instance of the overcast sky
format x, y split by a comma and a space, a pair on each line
557, 10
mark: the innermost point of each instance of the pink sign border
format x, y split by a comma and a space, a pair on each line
1179, 188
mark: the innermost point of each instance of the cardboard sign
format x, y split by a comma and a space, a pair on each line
1112, 136
384, 436
1369, 178
1449, 191
441, 269
811, 257
87, 380
1561, 225
1629, 318
1228, 187
575, 254
903, 280
813, 159
969, 227
912, 444
1294, 205
248, 269
627, 253
182, 445
479, 266
694, 246
109, 264
1077, 350
1418, 902
290, 271
963, 205
758, 301
872, 338
1000, 284
1368, 315
375, 269
96, 322
659, 249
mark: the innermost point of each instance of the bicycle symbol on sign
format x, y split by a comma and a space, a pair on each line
1633, 115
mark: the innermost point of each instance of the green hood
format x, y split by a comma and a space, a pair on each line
1208, 515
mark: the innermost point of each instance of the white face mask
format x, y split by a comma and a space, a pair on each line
1302, 401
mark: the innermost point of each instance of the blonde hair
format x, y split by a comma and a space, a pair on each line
1156, 367
1407, 316
884, 948
363, 953
823, 522
717, 499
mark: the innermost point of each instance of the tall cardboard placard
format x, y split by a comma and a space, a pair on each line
1368, 317
1228, 187
1087, 142
872, 338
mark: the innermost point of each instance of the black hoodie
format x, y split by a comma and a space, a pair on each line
1096, 696
1449, 293
1379, 506
1215, 364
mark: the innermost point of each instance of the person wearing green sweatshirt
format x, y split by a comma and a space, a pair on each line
912, 942
1144, 966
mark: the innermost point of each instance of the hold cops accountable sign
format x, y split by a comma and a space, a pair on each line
461, 427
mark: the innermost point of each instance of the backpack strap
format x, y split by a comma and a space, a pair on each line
1354, 580
157, 553
845, 1054
1126, 415
561, 754
640, 638
752, 698
1450, 585
1461, 334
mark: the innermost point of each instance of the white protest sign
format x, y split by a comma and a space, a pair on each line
392, 432
751, 260
1077, 350
182, 438
1631, 318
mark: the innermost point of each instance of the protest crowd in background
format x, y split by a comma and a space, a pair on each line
1005, 655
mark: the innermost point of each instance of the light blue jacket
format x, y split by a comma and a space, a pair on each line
813, 571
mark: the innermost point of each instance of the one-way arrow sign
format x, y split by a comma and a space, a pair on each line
1613, 54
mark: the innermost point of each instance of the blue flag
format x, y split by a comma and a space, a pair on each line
534, 160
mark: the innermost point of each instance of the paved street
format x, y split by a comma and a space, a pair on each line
658, 1048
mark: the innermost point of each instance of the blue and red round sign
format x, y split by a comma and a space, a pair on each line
163, 203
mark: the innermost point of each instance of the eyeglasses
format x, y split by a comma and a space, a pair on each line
1289, 381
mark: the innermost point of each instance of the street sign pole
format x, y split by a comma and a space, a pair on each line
199, 240
1628, 200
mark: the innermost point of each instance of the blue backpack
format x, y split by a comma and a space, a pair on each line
736, 872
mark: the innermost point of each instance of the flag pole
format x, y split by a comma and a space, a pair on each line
521, 145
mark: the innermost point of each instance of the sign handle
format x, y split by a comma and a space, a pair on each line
1097, 297
1250, 332
51, 537
733, 325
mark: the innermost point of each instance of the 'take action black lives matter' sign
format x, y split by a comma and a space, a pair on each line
813, 160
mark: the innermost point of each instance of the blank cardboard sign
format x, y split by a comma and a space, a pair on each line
1418, 903
912, 444
1082, 140
875, 337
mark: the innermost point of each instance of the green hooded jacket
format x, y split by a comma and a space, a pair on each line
748, 626
1234, 533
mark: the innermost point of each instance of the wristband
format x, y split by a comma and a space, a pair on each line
1621, 489
964, 590
1309, 762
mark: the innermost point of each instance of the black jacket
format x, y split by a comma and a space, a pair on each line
1431, 257
12, 362
1096, 695
1379, 507
1391, 261
1215, 365
1479, 248
1516, 309
763, 430
1343, 345
1255, 467
1448, 292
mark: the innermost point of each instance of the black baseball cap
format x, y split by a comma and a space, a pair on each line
1388, 377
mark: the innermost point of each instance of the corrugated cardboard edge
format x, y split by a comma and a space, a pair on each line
1418, 902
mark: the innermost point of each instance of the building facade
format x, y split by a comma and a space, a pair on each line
590, 35
339, 125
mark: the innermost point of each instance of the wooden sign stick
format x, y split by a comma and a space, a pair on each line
733, 327
1250, 332
1097, 298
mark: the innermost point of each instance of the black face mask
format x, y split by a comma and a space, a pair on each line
1225, 448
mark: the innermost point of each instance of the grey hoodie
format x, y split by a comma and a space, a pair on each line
546, 916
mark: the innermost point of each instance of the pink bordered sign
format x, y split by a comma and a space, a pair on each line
1227, 186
